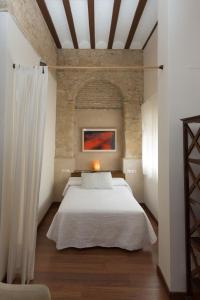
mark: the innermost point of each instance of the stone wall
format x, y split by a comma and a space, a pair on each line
99, 94
126, 86
71, 82
30, 21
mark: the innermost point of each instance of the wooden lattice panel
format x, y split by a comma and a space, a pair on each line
191, 130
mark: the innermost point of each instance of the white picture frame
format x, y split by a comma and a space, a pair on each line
96, 131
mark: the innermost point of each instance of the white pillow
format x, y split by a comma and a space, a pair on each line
98, 180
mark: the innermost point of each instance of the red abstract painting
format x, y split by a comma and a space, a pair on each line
99, 140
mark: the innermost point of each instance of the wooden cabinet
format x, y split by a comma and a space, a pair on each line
191, 142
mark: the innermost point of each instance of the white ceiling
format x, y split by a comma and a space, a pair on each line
126, 15
103, 17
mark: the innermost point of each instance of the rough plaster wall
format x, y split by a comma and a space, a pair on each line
32, 24
72, 82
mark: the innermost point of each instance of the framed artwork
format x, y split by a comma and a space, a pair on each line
99, 140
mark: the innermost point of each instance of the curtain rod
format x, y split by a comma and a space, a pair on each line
161, 67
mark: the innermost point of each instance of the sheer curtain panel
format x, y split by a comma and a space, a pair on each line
150, 138
22, 149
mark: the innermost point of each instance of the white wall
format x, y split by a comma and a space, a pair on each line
149, 125
47, 177
16, 49
3, 75
179, 96
150, 57
132, 169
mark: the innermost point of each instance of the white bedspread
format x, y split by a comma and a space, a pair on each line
107, 218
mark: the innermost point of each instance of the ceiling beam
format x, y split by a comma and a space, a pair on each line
115, 14
136, 20
91, 22
49, 22
70, 20
149, 36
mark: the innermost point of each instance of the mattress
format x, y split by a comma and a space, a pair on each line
106, 218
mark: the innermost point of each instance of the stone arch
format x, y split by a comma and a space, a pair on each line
128, 86
99, 94
103, 89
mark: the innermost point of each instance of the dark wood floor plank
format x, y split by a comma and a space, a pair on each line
96, 273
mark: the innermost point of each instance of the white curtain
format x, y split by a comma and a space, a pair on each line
22, 149
150, 138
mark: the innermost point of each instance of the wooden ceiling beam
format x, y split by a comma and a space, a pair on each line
70, 20
149, 36
115, 14
49, 22
91, 22
136, 20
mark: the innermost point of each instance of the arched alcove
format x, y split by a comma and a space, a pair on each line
99, 94
99, 104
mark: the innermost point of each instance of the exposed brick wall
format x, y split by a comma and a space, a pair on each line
99, 94
73, 83
100, 57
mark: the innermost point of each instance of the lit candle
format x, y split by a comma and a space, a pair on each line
96, 165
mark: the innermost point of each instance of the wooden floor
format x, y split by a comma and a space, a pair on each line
96, 273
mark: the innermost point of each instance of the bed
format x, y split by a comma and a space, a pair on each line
103, 217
